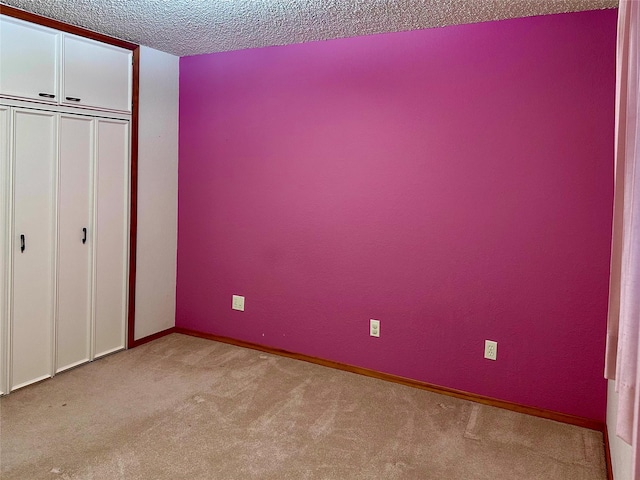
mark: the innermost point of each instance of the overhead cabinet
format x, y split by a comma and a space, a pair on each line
29, 55
95, 74
49, 66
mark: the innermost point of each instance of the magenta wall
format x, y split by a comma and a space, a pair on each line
454, 183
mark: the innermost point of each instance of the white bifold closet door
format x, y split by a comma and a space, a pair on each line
33, 245
75, 237
93, 238
112, 235
64, 282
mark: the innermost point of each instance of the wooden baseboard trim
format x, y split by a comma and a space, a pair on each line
607, 453
149, 338
536, 412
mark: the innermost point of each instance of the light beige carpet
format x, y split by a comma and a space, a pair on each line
187, 408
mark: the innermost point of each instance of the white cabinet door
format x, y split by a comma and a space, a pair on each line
4, 232
96, 74
75, 234
111, 235
34, 154
29, 59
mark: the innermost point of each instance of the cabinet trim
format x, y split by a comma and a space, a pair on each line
133, 178
65, 27
64, 109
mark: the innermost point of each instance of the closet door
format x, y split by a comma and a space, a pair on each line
4, 241
31, 324
74, 242
111, 235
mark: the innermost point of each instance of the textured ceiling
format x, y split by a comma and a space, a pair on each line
190, 27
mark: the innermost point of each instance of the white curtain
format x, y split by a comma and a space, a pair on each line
623, 331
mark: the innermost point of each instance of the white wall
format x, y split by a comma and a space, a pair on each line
620, 451
157, 193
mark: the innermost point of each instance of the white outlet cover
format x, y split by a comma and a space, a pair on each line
490, 350
374, 328
237, 302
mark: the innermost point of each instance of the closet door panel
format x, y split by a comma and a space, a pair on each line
74, 242
34, 154
112, 235
4, 232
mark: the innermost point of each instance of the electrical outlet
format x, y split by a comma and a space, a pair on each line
374, 328
490, 350
237, 302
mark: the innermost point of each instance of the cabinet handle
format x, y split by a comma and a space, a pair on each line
22, 243
72, 99
84, 235
47, 95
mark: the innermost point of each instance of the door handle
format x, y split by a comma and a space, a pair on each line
47, 95
72, 99
84, 235
22, 243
